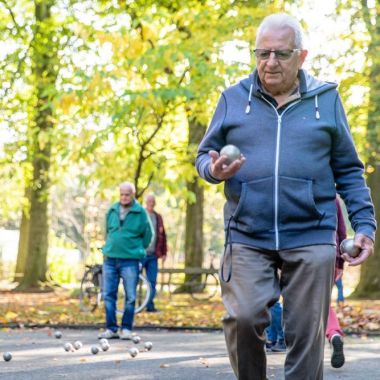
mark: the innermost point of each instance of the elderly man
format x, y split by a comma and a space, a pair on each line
297, 152
156, 250
128, 234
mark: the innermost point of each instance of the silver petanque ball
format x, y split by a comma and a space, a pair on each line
347, 246
148, 346
94, 350
136, 339
105, 346
58, 334
232, 152
68, 347
78, 344
7, 356
103, 340
133, 351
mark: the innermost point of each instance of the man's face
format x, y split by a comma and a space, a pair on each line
150, 203
279, 76
126, 196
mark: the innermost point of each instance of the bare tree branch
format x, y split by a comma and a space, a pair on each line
141, 192
18, 69
9, 9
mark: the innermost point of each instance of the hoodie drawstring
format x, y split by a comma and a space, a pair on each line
226, 252
248, 108
317, 115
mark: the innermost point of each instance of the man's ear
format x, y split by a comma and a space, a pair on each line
303, 55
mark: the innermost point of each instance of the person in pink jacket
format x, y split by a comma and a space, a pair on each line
334, 333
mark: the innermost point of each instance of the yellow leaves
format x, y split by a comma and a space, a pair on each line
370, 169
63, 317
67, 101
10, 316
148, 33
102, 36
168, 59
136, 48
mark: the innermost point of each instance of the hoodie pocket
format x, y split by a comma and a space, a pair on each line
297, 207
254, 212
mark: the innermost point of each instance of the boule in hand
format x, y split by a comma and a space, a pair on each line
232, 152
347, 246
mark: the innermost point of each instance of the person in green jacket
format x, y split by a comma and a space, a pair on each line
128, 233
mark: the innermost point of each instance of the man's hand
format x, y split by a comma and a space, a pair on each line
365, 244
220, 170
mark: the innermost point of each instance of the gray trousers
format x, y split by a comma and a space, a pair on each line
305, 284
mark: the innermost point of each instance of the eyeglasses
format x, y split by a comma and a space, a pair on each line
281, 55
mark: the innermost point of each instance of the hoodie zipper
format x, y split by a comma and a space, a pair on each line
276, 167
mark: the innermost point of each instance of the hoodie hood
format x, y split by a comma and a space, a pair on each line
309, 87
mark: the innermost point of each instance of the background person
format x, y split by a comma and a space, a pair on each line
340, 294
157, 249
297, 152
128, 234
275, 333
334, 332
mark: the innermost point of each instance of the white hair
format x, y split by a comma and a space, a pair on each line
282, 20
150, 195
128, 185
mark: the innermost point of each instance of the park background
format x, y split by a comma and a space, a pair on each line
96, 92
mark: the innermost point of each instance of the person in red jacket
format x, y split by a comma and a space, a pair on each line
334, 333
156, 250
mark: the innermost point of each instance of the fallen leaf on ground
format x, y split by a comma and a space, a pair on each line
10, 315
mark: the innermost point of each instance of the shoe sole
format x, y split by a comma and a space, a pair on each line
337, 357
109, 337
113, 337
278, 350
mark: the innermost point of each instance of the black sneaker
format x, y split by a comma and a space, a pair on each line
279, 347
337, 357
154, 310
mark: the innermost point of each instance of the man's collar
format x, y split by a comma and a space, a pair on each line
301, 80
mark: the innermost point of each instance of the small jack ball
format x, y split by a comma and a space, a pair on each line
232, 152
347, 246
58, 334
7, 356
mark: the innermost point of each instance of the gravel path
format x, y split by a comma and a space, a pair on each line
181, 355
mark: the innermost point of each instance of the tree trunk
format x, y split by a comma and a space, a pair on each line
194, 210
369, 284
45, 70
194, 227
23, 239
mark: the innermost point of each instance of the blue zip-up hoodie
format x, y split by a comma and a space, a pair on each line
297, 158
